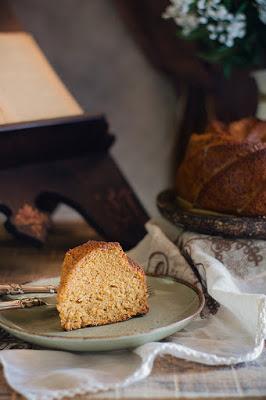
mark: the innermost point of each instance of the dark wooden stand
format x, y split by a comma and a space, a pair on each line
65, 160
230, 226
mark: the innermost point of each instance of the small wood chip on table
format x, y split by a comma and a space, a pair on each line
39, 94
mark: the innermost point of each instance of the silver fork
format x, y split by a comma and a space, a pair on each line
27, 302
15, 289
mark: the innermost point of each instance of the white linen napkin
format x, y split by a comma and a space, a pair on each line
231, 329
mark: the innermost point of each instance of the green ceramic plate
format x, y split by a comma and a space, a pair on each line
173, 304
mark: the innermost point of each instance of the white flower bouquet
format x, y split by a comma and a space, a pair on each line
229, 32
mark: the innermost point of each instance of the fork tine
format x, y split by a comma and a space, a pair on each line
14, 288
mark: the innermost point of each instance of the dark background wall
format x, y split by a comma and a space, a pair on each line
93, 53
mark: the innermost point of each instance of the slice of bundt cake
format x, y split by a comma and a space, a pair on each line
100, 285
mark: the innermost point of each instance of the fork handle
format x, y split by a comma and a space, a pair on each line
21, 303
14, 288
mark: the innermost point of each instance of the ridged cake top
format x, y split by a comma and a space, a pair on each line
247, 130
224, 169
75, 254
92, 245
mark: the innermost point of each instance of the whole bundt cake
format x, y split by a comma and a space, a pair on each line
100, 285
224, 169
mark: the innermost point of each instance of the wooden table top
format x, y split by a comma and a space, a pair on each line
171, 377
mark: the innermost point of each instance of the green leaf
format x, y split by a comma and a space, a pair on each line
227, 69
228, 4
180, 35
199, 34
216, 55
242, 8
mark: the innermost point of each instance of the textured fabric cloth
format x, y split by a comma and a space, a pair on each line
230, 330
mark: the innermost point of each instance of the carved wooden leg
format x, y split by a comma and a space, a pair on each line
94, 186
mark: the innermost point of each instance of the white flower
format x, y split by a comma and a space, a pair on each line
212, 13
220, 27
221, 24
201, 4
222, 38
211, 28
188, 23
177, 8
203, 20
262, 10
229, 43
236, 29
179, 11
229, 17
221, 13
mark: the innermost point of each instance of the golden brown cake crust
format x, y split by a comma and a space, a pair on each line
75, 254
224, 169
103, 272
